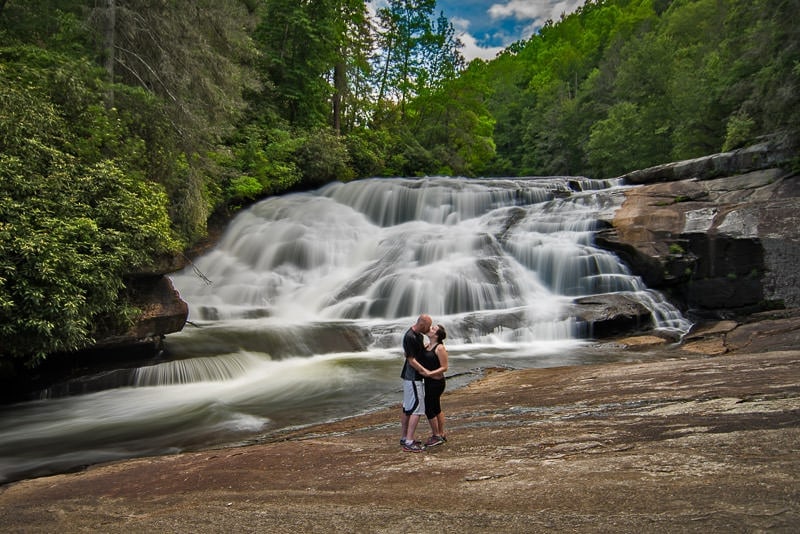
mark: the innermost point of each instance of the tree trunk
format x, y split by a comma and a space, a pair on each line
385, 74
110, 44
340, 86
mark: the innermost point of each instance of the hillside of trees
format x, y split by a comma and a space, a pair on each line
125, 125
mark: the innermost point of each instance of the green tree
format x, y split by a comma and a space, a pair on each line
419, 56
71, 226
192, 57
761, 48
293, 40
405, 31
453, 124
314, 67
351, 104
612, 148
191, 53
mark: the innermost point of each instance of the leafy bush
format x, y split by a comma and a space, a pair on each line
366, 149
245, 188
260, 159
70, 227
739, 131
323, 158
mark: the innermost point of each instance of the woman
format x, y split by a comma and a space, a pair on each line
435, 361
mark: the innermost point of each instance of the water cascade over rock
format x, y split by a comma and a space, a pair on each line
509, 259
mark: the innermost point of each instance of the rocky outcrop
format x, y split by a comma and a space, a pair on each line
162, 312
611, 314
770, 153
720, 238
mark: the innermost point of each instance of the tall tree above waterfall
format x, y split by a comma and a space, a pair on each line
416, 51
189, 53
312, 56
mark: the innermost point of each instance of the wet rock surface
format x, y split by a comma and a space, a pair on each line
685, 442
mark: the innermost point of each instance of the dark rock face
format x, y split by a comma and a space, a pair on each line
720, 241
611, 315
163, 312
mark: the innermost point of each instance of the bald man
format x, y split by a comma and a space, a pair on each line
413, 387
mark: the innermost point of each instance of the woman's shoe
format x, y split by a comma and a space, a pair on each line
433, 441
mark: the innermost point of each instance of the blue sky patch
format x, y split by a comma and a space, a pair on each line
486, 27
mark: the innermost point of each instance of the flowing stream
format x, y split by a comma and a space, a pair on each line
296, 315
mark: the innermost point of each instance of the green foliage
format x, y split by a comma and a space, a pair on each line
611, 151
675, 248
367, 150
54, 23
69, 231
739, 131
268, 158
245, 188
323, 158
417, 53
294, 39
454, 126
623, 84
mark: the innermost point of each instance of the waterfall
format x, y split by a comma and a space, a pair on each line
382, 250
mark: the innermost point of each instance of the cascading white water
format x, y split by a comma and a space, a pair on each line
386, 249
310, 294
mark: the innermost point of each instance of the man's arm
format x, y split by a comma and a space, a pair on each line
417, 366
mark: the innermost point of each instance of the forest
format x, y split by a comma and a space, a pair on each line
127, 125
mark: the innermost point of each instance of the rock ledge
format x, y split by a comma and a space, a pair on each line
682, 444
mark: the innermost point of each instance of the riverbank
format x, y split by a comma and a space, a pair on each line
687, 444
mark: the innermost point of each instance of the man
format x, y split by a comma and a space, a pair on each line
413, 387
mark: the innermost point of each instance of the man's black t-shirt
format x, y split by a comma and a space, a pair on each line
413, 346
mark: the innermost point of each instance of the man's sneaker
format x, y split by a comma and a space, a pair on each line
433, 441
413, 447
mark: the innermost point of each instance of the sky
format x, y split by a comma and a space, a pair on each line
486, 27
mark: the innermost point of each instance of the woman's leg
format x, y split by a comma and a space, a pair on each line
440, 424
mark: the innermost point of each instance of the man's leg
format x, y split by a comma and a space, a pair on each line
414, 402
412, 427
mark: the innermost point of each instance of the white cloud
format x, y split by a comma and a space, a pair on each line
519, 9
529, 15
533, 10
460, 23
472, 49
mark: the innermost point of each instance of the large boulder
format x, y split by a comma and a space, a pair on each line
611, 314
162, 312
719, 245
771, 152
